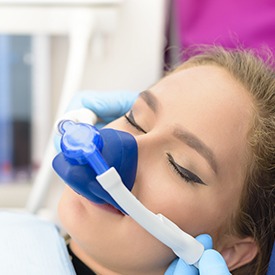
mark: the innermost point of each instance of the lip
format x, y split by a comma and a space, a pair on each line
106, 207
109, 208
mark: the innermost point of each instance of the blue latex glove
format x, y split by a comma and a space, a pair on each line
108, 106
211, 262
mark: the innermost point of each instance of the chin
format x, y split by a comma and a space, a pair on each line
69, 210
82, 219
104, 235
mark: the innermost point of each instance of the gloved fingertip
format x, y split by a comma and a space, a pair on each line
109, 119
205, 240
171, 268
100, 125
184, 268
212, 262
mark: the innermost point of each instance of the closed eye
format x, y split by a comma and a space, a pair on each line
187, 175
130, 118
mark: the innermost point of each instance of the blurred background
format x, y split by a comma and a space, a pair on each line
50, 50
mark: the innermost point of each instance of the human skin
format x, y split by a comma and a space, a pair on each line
202, 101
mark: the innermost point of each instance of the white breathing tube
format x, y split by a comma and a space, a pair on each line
184, 245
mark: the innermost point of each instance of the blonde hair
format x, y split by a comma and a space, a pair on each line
256, 208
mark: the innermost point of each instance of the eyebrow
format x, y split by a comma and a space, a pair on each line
194, 142
183, 135
150, 99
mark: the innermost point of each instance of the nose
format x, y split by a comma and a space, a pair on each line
149, 161
119, 151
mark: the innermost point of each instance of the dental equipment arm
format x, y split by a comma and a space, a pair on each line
81, 144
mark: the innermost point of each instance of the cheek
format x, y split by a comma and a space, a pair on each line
118, 124
119, 243
78, 217
71, 212
195, 209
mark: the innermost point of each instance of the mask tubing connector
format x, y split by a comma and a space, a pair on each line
97, 162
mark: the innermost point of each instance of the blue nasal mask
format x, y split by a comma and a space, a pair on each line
88, 152
101, 165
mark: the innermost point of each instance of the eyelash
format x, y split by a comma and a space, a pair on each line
130, 119
182, 172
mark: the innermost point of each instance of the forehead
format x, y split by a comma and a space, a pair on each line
204, 89
211, 104
204, 80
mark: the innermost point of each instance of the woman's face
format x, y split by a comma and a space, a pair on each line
191, 130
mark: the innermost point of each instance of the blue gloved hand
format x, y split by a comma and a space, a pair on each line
107, 106
211, 262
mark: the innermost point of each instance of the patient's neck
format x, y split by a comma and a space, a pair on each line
89, 261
